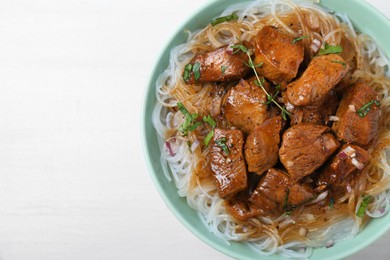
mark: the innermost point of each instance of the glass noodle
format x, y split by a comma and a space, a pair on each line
185, 157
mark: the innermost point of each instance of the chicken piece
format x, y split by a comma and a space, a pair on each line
305, 147
227, 162
323, 73
278, 54
244, 106
317, 113
262, 145
350, 159
241, 209
267, 206
222, 64
282, 190
354, 124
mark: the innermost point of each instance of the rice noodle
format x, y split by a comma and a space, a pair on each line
299, 233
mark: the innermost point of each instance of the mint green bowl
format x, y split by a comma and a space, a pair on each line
366, 19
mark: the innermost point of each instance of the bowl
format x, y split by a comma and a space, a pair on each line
366, 19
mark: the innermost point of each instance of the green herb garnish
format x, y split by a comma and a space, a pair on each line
223, 69
187, 72
329, 49
195, 68
331, 203
270, 98
259, 82
251, 65
340, 62
363, 206
221, 142
208, 119
222, 19
363, 111
207, 140
239, 47
189, 123
295, 40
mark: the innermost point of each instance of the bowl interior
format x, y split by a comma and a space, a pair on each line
365, 18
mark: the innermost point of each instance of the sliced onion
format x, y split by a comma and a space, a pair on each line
352, 108
349, 151
229, 50
334, 118
358, 164
194, 145
315, 45
342, 155
169, 147
320, 197
303, 231
349, 189
216, 106
329, 243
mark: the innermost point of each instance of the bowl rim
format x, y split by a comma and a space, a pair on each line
146, 122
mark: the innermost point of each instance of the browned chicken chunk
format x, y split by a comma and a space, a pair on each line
244, 106
358, 115
323, 73
267, 206
262, 145
317, 113
241, 209
305, 147
281, 189
227, 162
222, 64
278, 54
349, 159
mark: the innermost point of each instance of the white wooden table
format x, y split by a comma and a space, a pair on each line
73, 181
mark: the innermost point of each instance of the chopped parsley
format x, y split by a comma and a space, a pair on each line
363, 206
340, 62
195, 68
330, 49
222, 19
208, 119
295, 40
331, 203
223, 69
187, 72
221, 142
363, 111
189, 123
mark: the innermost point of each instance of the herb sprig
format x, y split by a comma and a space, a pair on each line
258, 81
189, 123
221, 142
363, 111
331, 49
208, 119
194, 68
340, 62
295, 40
363, 206
222, 19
